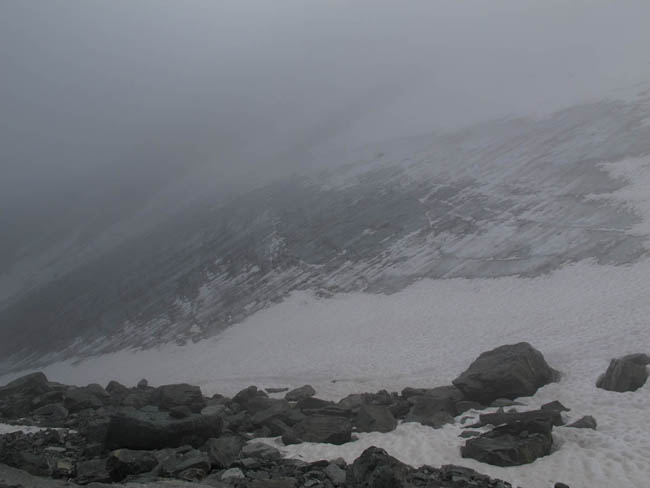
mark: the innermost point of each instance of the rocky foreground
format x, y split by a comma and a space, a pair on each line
172, 435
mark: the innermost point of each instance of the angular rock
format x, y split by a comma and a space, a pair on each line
232, 473
277, 409
431, 410
259, 450
375, 418
51, 414
183, 461
16, 397
333, 430
77, 399
376, 469
555, 406
223, 451
301, 393
92, 471
586, 422
499, 418
167, 397
509, 371
628, 373
156, 430
126, 462
511, 444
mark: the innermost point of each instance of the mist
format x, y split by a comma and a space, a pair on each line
105, 103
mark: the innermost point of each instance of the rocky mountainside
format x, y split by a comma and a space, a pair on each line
503, 198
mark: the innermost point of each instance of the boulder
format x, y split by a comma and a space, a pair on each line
511, 444
500, 418
52, 414
509, 371
301, 393
156, 430
167, 397
586, 422
375, 418
376, 469
431, 410
16, 397
126, 462
78, 399
259, 450
277, 409
194, 464
93, 471
330, 429
628, 373
223, 451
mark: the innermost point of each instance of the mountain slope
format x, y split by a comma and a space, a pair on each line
511, 197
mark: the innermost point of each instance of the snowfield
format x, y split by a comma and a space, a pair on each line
579, 316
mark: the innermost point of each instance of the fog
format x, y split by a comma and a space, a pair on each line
104, 103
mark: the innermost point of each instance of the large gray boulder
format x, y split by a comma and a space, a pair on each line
317, 428
134, 429
628, 373
509, 371
375, 418
511, 444
179, 395
17, 398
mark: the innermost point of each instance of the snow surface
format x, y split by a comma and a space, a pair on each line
579, 316
27, 429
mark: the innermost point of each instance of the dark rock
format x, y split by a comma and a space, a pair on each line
142, 384
511, 444
277, 409
167, 397
150, 430
586, 422
180, 412
313, 403
400, 408
555, 406
248, 395
375, 418
376, 469
16, 398
276, 390
465, 405
52, 414
183, 460
466, 434
283, 482
431, 410
126, 462
116, 388
335, 473
560, 485
301, 393
334, 430
223, 451
259, 450
509, 371
500, 418
92, 471
628, 373
77, 399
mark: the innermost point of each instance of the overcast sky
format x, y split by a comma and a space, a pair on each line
97, 96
